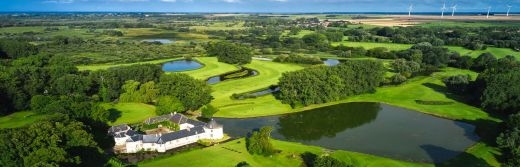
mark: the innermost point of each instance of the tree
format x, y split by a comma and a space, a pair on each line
208, 111
328, 161
483, 62
316, 40
406, 68
230, 53
509, 141
56, 141
458, 83
502, 91
398, 79
259, 142
130, 93
168, 104
191, 92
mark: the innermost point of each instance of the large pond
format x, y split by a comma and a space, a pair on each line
371, 128
162, 41
181, 65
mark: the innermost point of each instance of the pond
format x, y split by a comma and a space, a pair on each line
162, 41
269, 90
331, 62
371, 128
242, 73
181, 65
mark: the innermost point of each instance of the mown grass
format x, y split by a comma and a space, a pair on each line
233, 152
211, 68
20, 119
269, 73
498, 52
129, 112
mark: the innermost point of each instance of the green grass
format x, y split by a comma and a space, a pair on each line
269, 73
498, 52
95, 67
19, 119
130, 112
211, 68
219, 156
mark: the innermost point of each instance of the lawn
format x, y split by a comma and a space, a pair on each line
19, 119
95, 67
129, 112
211, 68
233, 152
269, 73
498, 52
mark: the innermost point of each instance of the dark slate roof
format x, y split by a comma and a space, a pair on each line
178, 119
150, 138
131, 132
135, 138
195, 122
213, 124
180, 134
118, 128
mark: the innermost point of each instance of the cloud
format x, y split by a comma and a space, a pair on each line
168, 0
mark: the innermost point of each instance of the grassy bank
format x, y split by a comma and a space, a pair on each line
233, 152
19, 119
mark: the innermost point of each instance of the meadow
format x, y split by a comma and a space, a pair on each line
20, 119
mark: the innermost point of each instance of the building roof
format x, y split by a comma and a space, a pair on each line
180, 134
118, 128
213, 124
198, 128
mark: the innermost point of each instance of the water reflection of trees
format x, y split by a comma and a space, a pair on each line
326, 121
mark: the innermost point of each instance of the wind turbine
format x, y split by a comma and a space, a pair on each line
508, 9
489, 9
443, 9
410, 10
454, 7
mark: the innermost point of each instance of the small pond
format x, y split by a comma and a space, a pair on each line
242, 73
331, 62
181, 65
371, 128
162, 41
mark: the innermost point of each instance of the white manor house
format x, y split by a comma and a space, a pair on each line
129, 141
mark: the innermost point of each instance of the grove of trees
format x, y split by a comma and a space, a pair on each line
230, 53
324, 84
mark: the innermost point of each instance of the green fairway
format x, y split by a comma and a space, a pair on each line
233, 152
130, 112
211, 68
498, 52
19, 119
269, 73
95, 67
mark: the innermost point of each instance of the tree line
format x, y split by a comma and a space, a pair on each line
322, 84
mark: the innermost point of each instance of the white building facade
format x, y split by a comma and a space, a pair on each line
190, 132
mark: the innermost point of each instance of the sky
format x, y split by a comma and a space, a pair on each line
293, 6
